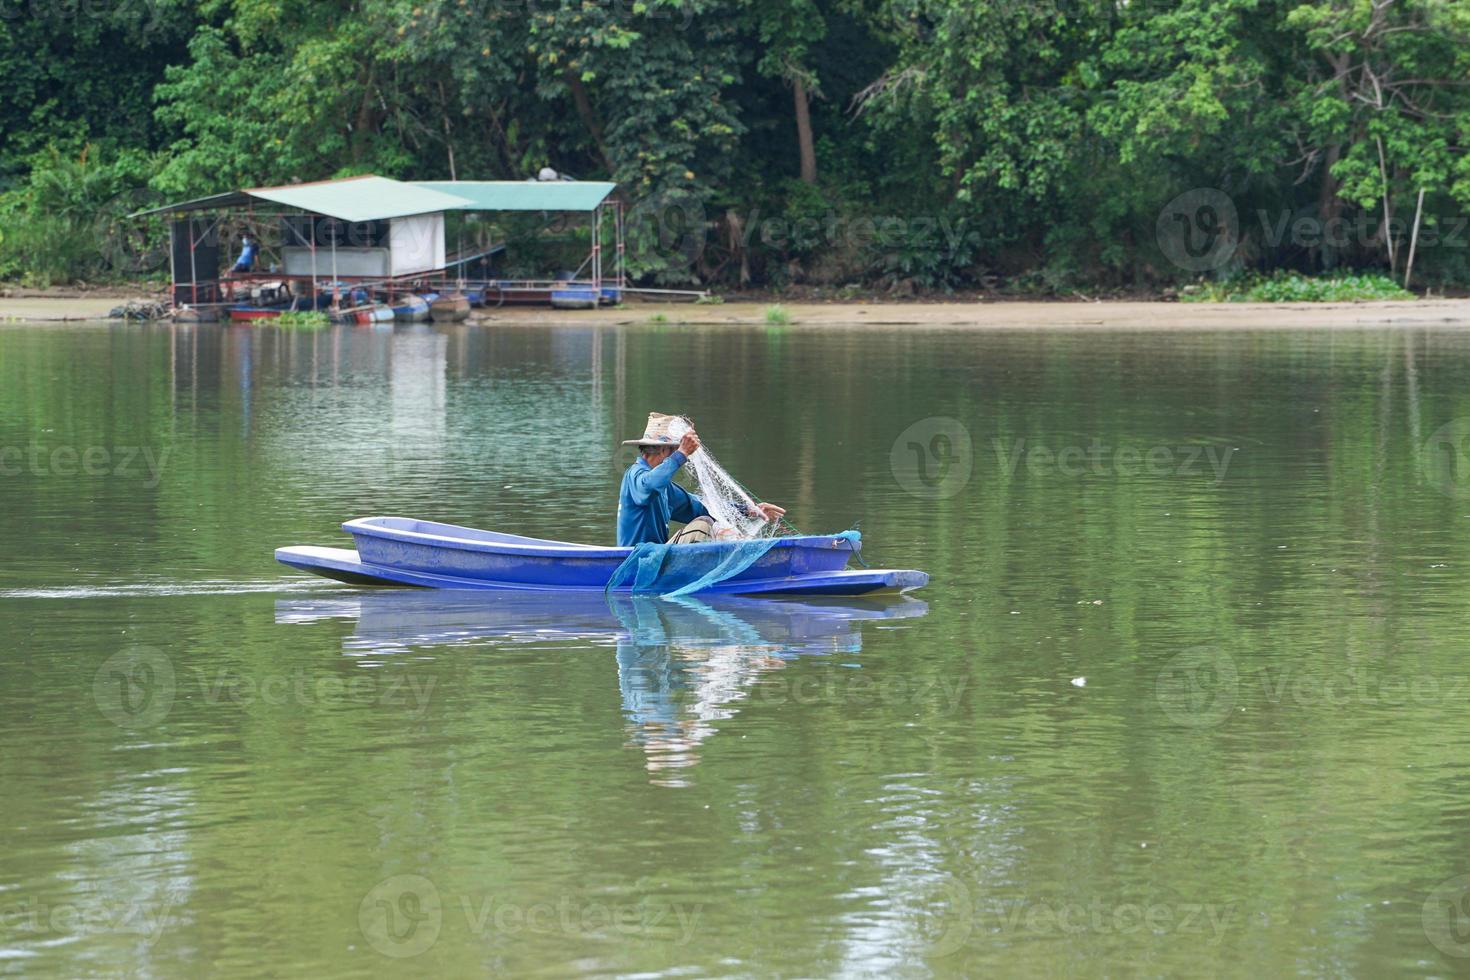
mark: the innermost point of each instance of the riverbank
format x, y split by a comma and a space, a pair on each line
1122, 314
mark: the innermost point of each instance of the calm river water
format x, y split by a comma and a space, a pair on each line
1187, 694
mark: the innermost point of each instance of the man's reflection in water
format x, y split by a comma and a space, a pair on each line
683, 664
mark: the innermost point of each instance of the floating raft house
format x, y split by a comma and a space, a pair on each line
372, 242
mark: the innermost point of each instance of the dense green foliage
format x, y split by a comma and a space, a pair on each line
1293, 287
916, 144
301, 320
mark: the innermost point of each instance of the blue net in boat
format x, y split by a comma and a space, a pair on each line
682, 569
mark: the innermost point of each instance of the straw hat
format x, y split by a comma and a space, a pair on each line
657, 432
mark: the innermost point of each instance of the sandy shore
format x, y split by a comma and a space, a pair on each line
1110, 315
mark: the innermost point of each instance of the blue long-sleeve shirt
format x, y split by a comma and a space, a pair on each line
650, 498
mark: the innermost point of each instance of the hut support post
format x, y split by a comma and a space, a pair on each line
597, 252
173, 273
193, 268
618, 235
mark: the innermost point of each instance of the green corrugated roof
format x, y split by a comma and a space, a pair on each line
367, 198
362, 198
214, 202
372, 198
524, 195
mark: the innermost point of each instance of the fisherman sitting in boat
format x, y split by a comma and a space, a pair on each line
650, 498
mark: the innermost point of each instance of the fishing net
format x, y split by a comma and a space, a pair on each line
722, 495
683, 569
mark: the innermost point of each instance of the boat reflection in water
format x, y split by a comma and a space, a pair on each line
683, 664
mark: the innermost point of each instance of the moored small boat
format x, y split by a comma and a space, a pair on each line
407, 306
450, 306
360, 315
404, 551
244, 312
574, 298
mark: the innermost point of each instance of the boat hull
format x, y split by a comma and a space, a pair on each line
242, 313
404, 551
411, 308
451, 306
362, 315
346, 565
574, 299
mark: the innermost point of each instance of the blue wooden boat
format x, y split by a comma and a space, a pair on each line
574, 298
404, 551
407, 306
369, 313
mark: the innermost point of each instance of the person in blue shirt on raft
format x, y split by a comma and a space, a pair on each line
246, 261
650, 498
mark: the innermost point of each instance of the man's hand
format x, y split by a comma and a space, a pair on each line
689, 445
770, 512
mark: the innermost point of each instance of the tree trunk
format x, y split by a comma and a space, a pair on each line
1393, 265
508, 154
1329, 208
804, 132
589, 118
448, 135
358, 139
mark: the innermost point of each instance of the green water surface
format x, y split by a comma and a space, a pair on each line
1187, 693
